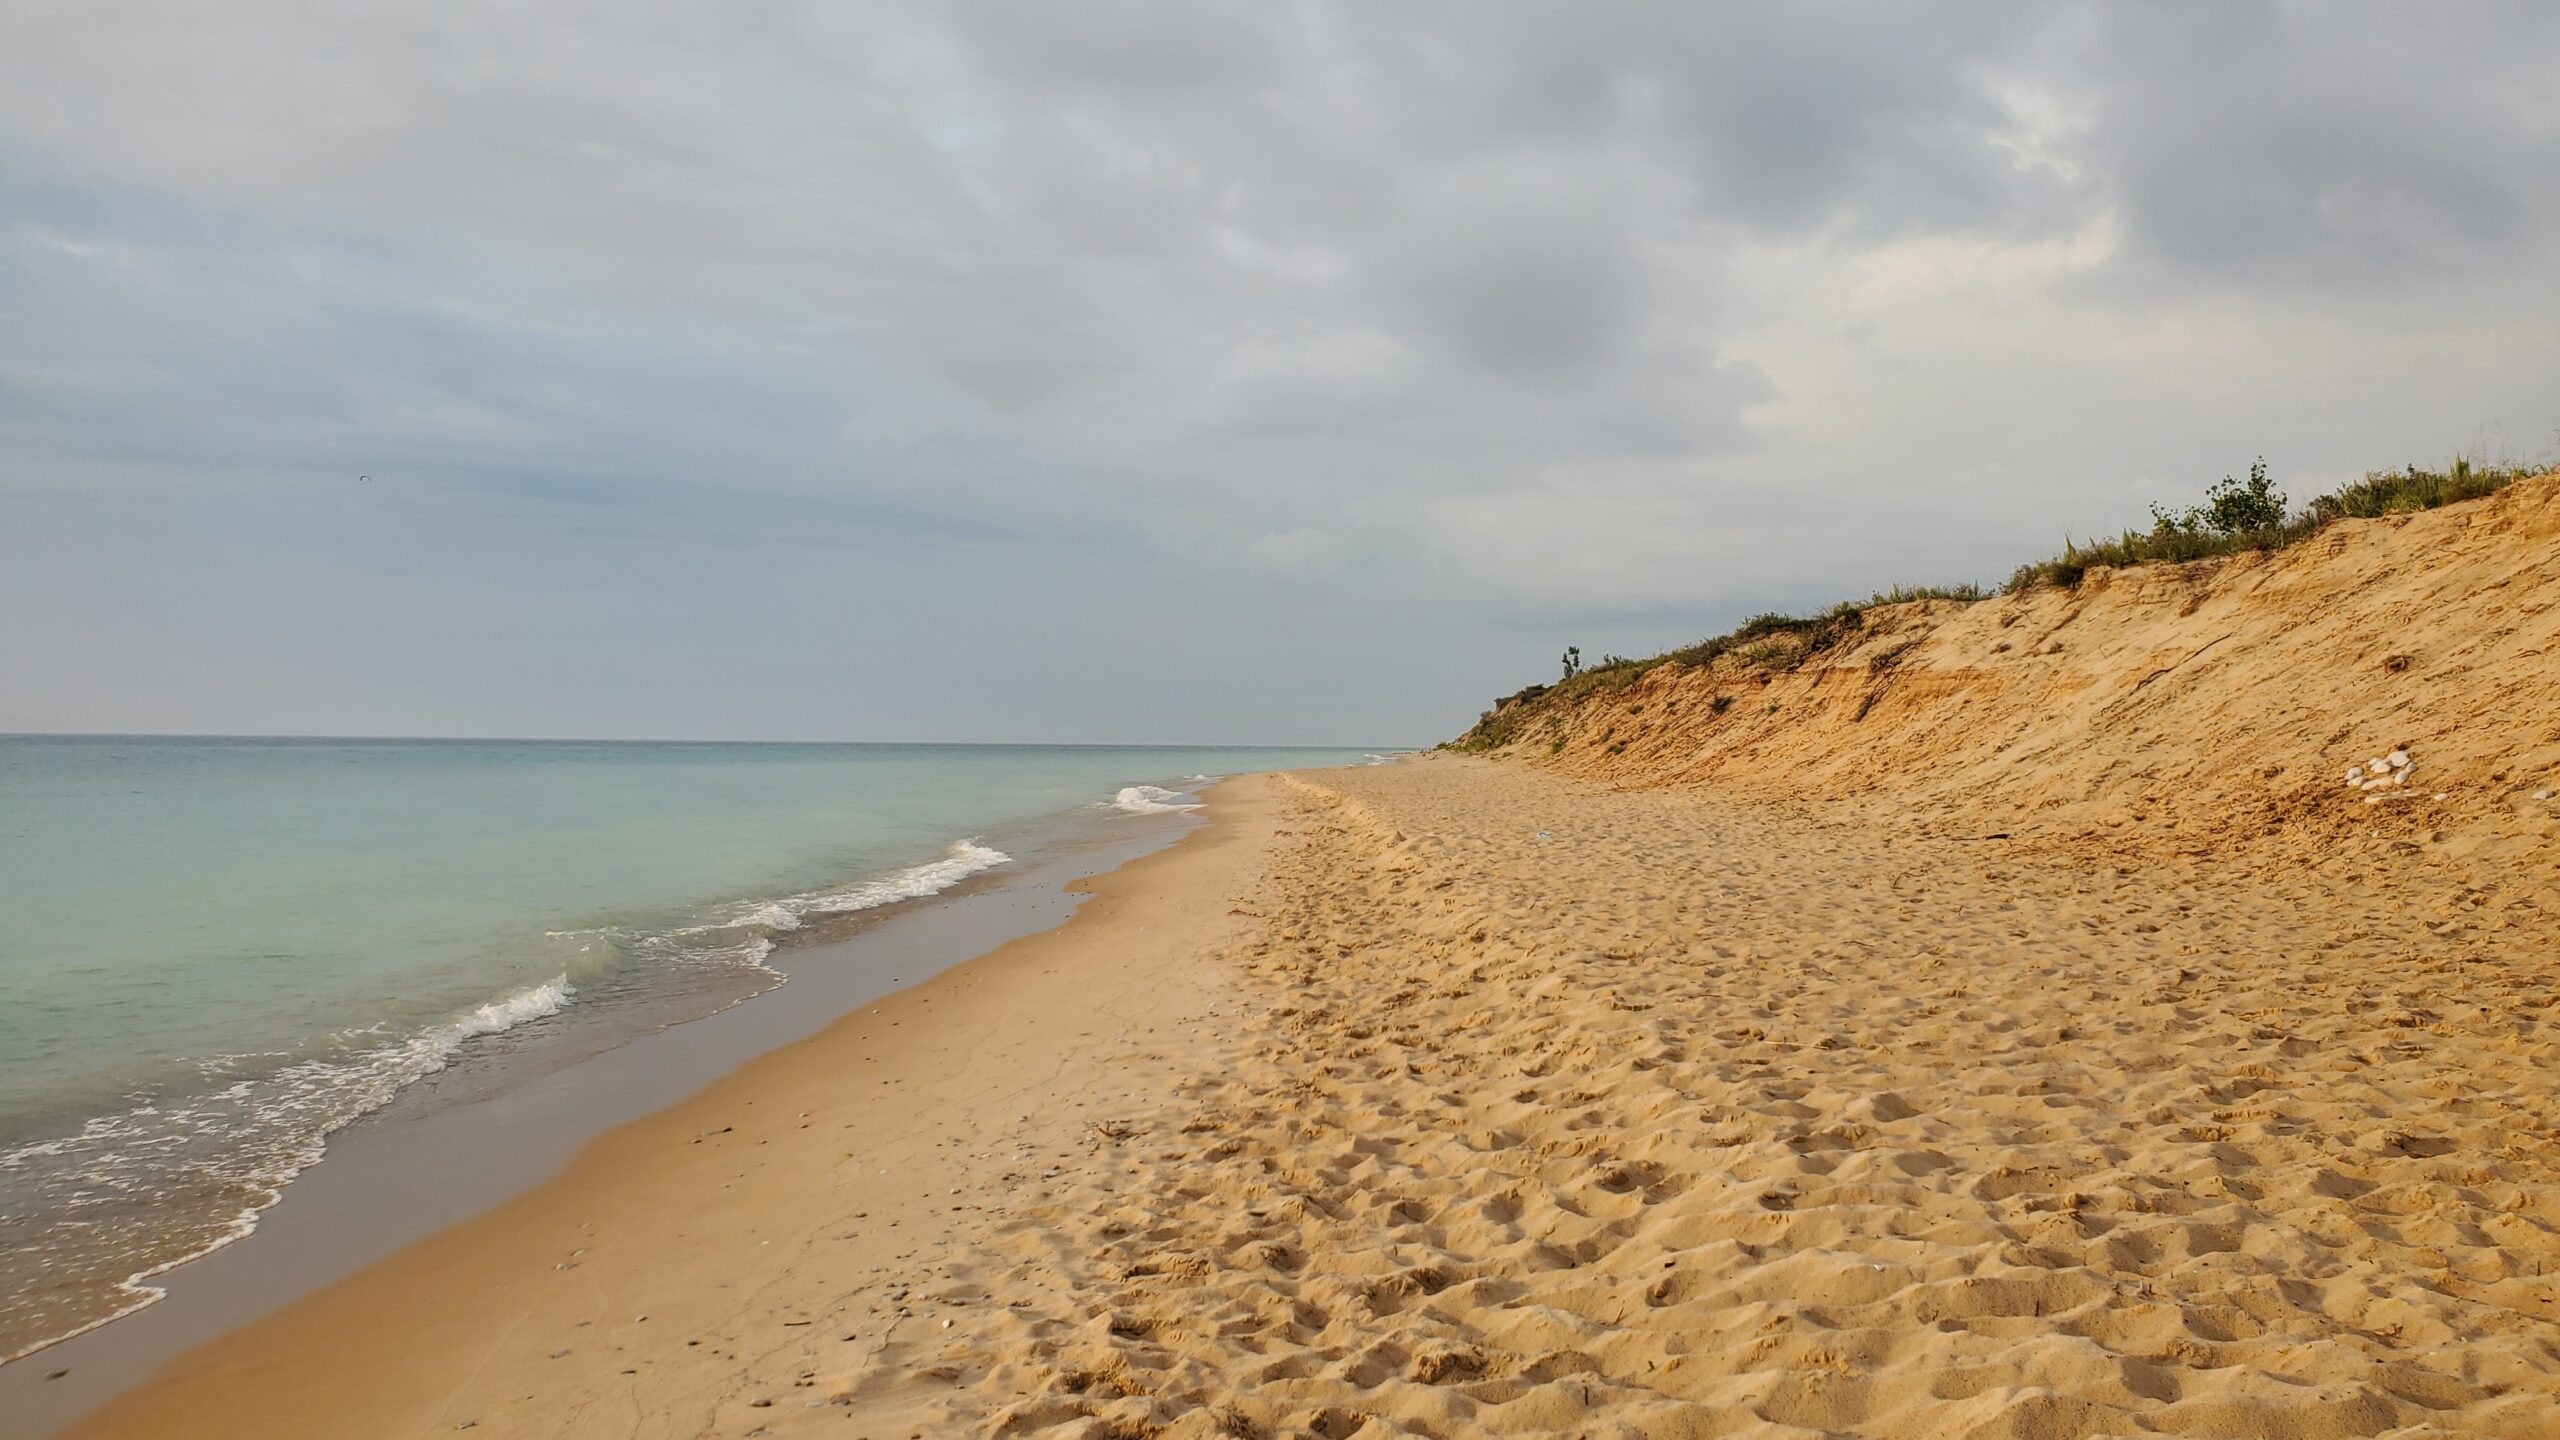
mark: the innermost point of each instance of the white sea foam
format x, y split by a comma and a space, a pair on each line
1151, 800
252, 1136
367, 1075
255, 1128
964, 859
505, 1013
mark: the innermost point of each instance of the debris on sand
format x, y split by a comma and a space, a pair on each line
2381, 772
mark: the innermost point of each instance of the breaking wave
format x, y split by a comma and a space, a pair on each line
173, 1177
1151, 800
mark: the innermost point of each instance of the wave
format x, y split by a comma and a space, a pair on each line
964, 859
173, 1178
743, 934
505, 1013
242, 1143
1151, 800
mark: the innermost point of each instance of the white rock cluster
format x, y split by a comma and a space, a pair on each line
2380, 774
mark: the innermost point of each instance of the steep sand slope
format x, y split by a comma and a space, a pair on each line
2211, 704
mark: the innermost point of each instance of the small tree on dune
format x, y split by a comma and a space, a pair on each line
2232, 507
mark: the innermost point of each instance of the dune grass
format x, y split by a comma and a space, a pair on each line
2179, 536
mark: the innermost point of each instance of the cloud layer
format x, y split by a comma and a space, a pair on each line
1126, 371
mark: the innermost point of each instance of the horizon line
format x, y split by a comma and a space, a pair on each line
676, 740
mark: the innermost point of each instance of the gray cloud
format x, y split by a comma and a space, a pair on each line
1029, 334
2351, 145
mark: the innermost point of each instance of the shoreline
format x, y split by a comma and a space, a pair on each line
282, 970
1460, 1098
472, 1079
425, 1165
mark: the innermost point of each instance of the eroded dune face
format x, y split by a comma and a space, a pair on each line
2168, 706
1639, 1113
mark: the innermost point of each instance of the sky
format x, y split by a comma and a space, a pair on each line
1262, 372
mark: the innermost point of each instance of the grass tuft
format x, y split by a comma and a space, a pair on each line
2206, 532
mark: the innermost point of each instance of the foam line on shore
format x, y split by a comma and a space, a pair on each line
236, 1146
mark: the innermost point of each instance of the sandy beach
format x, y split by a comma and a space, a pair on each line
1460, 1098
2003, 1023
1321, 721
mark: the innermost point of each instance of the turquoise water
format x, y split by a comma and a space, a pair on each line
214, 952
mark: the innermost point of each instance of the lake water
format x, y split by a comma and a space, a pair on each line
215, 952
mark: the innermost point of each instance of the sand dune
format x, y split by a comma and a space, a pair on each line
2170, 707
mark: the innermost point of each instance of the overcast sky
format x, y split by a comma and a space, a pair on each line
1105, 371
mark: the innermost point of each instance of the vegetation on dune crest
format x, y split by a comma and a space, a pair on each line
2250, 514
2233, 506
2237, 515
